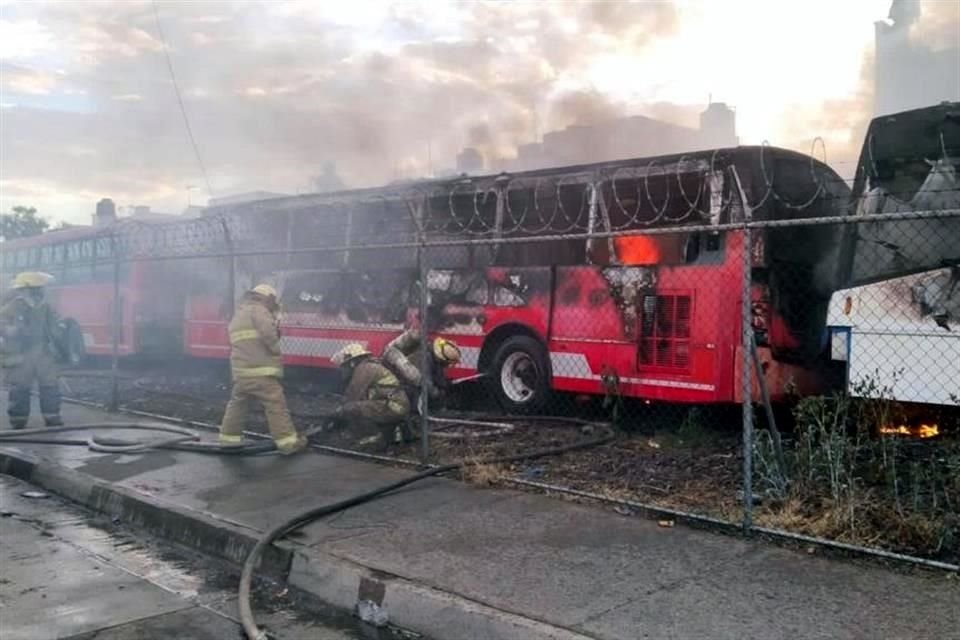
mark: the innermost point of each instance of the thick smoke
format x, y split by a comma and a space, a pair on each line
926, 57
274, 91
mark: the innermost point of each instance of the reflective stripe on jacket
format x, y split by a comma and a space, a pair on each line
27, 327
254, 342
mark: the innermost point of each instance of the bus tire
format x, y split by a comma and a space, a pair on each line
74, 348
519, 375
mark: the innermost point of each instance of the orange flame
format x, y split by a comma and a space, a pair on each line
918, 431
637, 249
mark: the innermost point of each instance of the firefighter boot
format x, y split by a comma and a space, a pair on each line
289, 447
50, 405
18, 406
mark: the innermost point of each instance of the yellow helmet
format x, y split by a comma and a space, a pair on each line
265, 290
349, 353
29, 279
446, 351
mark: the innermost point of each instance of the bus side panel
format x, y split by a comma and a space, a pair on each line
664, 332
895, 340
91, 306
205, 327
157, 307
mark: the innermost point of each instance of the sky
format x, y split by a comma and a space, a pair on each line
389, 90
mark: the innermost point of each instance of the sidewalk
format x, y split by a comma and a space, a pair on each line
457, 563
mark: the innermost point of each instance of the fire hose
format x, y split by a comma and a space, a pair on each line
181, 439
602, 434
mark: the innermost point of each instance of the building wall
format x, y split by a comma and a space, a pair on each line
909, 74
630, 137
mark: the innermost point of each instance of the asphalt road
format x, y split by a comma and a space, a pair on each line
66, 575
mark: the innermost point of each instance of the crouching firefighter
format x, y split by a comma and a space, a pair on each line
256, 370
404, 357
374, 397
31, 339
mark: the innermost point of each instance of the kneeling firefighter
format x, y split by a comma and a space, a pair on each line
404, 357
373, 396
256, 369
31, 342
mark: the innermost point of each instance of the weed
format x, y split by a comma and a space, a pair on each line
485, 475
842, 479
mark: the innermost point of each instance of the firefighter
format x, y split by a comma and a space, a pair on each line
374, 396
256, 369
403, 356
31, 337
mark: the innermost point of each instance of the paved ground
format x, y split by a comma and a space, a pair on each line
579, 568
64, 575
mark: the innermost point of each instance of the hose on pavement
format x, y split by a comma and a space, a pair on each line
602, 433
181, 439
175, 438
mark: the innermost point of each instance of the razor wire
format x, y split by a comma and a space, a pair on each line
640, 197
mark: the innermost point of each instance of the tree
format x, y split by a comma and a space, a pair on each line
22, 222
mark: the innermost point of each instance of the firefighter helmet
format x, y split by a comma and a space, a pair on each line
349, 353
31, 279
265, 290
446, 351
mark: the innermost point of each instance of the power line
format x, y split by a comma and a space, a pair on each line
183, 109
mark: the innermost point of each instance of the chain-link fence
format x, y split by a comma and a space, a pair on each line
776, 348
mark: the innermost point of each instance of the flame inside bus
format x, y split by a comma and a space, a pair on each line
637, 250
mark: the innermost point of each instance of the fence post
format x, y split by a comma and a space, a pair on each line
232, 273
425, 360
116, 329
746, 368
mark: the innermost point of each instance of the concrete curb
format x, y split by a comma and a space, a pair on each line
331, 579
193, 529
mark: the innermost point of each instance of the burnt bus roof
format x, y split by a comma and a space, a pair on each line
757, 167
904, 143
54, 237
82, 232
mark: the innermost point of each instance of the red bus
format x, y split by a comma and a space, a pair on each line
648, 315
82, 261
521, 274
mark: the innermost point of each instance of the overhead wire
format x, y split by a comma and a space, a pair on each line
183, 108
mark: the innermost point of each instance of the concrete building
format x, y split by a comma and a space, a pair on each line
630, 137
908, 73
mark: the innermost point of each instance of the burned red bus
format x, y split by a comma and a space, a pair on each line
83, 262
617, 277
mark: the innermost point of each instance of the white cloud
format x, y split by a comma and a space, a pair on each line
29, 82
23, 39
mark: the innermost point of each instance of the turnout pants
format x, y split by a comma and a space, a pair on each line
39, 367
268, 392
384, 415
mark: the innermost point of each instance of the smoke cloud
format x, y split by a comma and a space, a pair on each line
274, 91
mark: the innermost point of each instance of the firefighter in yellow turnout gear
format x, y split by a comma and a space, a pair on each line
374, 396
256, 369
403, 356
31, 335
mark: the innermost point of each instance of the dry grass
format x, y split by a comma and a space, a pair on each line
860, 520
484, 474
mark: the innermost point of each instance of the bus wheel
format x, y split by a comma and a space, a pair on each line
75, 351
520, 375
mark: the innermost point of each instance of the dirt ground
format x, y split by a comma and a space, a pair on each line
682, 458
661, 457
